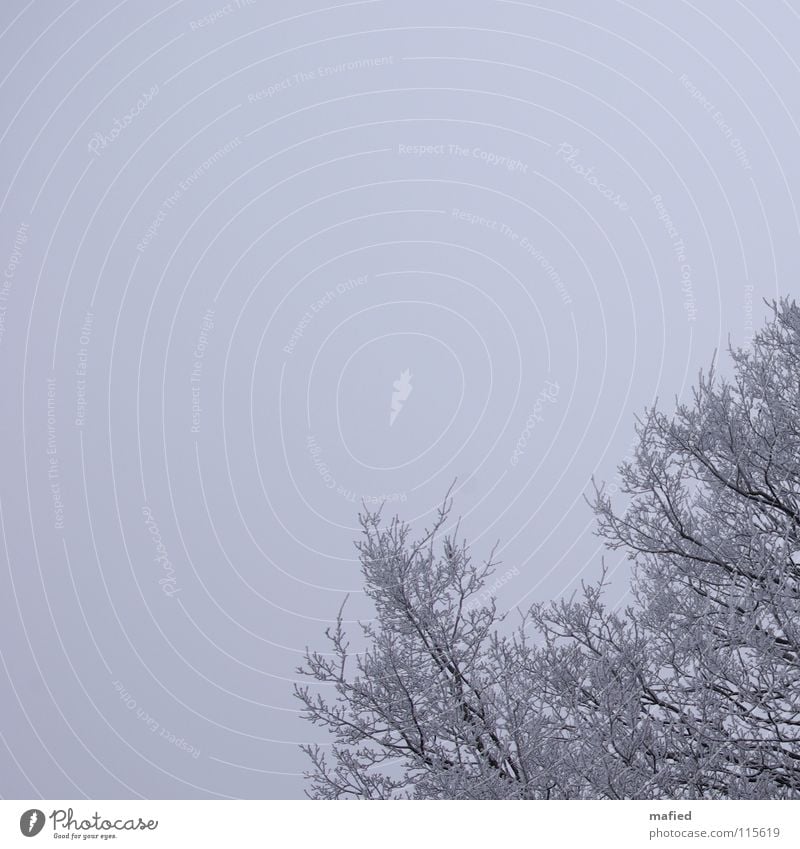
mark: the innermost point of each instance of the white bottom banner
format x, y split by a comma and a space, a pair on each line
420, 824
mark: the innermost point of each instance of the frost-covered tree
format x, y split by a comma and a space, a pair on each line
431, 708
693, 691
713, 528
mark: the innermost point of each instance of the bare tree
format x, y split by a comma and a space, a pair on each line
713, 528
431, 707
693, 691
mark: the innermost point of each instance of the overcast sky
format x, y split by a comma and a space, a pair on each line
259, 268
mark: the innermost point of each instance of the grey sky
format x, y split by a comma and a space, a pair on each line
227, 233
